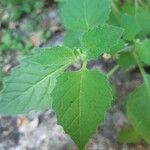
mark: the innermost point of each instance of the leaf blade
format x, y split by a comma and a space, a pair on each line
100, 40
30, 85
79, 107
138, 109
83, 13
143, 50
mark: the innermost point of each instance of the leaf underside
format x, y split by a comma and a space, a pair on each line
30, 85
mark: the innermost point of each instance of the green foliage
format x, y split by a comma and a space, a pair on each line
72, 38
100, 39
30, 85
128, 136
82, 16
132, 28
144, 51
82, 98
143, 19
126, 60
138, 109
80, 103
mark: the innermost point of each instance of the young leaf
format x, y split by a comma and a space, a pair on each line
30, 85
100, 40
79, 15
138, 110
126, 60
81, 103
128, 136
143, 50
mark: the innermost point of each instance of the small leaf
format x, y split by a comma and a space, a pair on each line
100, 40
81, 15
143, 50
126, 60
30, 85
128, 136
138, 110
80, 103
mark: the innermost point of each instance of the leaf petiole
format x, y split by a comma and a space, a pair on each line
112, 71
142, 71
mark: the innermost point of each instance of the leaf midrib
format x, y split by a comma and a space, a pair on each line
80, 92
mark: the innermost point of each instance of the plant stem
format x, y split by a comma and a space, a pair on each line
84, 64
116, 10
142, 71
142, 4
112, 71
136, 6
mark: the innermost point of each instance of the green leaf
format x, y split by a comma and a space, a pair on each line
81, 103
129, 8
118, 47
30, 85
130, 25
126, 60
79, 15
143, 50
143, 19
128, 136
72, 38
138, 110
100, 40
59, 55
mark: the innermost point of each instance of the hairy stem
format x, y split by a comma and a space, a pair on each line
143, 73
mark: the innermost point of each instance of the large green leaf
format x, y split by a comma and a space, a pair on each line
30, 85
81, 100
79, 15
100, 40
138, 110
143, 50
